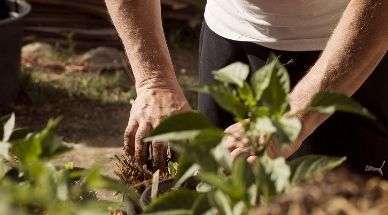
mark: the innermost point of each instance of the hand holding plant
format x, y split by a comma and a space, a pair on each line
260, 106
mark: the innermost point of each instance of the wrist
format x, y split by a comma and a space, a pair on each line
168, 83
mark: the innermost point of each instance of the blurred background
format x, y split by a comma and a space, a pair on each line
73, 65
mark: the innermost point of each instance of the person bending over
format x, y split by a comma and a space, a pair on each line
326, 45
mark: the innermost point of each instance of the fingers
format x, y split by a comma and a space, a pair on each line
129, 138
159, 154
141, 148
242, 152
233, 142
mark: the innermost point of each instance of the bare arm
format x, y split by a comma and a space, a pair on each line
354, 50
139, 25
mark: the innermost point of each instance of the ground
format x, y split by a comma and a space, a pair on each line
94, 105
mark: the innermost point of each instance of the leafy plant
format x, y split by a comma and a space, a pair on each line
31, 184
261, 104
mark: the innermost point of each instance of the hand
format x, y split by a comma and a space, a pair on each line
238, 144
149, 108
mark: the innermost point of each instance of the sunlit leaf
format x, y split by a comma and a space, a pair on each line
260, 80
288, 129
8, 128
226, 98
278, 170
263, 125
329, 102
235, 73
223, 203
275, 96
192, 171
155, 184
304, 167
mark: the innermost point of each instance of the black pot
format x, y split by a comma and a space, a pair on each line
11, 30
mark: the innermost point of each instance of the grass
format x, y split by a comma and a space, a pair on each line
102, 88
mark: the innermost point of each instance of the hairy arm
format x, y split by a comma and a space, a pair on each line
355, 48
139, 25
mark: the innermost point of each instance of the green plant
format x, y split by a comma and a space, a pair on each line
261, 104
31, 184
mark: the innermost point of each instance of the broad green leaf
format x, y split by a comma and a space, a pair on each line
8, 128
235, 73
279, 171
242, 176
222, 183
4, 151
265, 186
329, 102
288, 129
223, 203
174, 136
201, 148
240, 208
222, 155
275, 96
183, 122
192, 171
247, 96
263, 125
177, 199
201, 205
304, 167
260, 80
226, 98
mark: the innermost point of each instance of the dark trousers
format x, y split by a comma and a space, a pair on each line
363, 141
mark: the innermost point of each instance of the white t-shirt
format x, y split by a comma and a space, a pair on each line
292, 25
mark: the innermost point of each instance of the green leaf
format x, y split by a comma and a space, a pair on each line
240, 208
304, 167
223, 203
4, 151
192, 171
242, 177
201, 205
265, 186
288, 129
183, 122
177, 199
222, 183
278, 170
222, 155
235, 73
275, 96
226, 98
329, 102
260, 80
155, 184
263, 125
41, 145
247, 96
8, 128
174, 136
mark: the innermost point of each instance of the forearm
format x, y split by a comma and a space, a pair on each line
139, 25
354, 50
